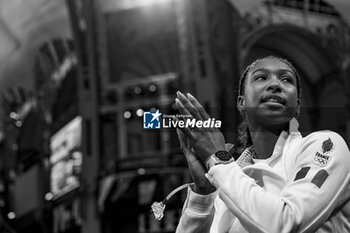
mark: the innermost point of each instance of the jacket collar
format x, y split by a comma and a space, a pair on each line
248, 155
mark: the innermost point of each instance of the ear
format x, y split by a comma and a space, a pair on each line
241, 103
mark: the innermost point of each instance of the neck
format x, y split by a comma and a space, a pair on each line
264, 139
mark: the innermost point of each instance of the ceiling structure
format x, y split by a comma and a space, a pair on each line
26, 24
342, 6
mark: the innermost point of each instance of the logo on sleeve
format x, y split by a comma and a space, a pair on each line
327, 146
323, 159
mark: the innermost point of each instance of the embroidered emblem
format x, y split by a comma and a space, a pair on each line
321, 159
327, 146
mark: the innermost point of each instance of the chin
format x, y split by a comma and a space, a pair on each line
271, 116
276, 117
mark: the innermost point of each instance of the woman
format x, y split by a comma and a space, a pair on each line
282, 182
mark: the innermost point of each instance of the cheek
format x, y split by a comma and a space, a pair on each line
250, 96
293, 97
293, 101
248, 100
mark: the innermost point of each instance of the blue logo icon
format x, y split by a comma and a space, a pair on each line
151, 120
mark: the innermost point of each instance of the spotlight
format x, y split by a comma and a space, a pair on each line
152, 88
13, 115
141, 171
127, 5
139, 112
48, 196
138, 90
11, 215
127, 114
18, 124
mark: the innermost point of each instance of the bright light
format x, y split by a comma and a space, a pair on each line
128, 4
127, 114
152, 88
11, 215
48, 196
137, 90
141, 171
13, 115
139, 112
18, 124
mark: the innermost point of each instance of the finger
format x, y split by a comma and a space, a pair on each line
188, 105
181, 107
185, 115
184, 130
187, 131
189, 154
229, 146
198, 107
183, 142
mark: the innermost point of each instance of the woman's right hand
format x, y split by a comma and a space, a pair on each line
197, 170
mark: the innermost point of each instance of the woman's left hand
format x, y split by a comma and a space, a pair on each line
196, 168
204, 141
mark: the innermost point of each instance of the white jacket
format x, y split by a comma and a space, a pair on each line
303, 187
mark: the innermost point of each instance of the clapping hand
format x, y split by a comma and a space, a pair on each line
204, 141
197, 169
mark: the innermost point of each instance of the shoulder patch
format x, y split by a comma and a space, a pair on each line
302, 173
323, 158
327, 146
320, 178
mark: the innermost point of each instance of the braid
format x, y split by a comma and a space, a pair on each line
244, 138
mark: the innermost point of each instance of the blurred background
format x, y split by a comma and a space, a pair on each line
77, 75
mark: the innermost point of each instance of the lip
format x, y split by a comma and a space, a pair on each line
274, 99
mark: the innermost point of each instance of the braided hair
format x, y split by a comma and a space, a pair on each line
244, 138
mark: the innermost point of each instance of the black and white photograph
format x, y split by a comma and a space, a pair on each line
174, 116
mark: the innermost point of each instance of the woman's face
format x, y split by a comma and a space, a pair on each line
270, 93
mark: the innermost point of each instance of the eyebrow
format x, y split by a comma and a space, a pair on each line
278, 71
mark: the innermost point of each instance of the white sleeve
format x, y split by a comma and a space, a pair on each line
197, 214
303, 205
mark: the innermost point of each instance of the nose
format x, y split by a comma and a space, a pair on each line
274, 85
